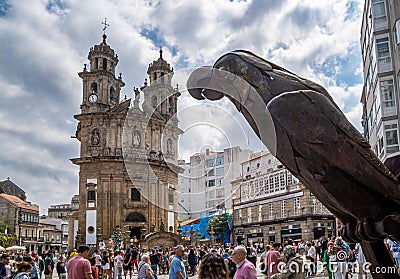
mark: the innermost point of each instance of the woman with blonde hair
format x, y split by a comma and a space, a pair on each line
213, 266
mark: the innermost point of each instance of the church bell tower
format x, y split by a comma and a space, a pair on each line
128, 173
101, 88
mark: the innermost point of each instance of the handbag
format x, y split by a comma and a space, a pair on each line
263, 269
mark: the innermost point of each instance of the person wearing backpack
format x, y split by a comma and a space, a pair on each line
250, 255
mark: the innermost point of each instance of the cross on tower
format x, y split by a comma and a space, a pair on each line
105, 25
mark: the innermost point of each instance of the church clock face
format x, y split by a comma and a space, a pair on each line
93, 98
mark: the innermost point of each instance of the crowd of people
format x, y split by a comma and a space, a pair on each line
292, 260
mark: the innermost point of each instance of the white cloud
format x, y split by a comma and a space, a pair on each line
45, 44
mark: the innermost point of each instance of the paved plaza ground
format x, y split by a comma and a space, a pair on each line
260, 275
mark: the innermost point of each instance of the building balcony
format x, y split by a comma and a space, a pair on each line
27, 238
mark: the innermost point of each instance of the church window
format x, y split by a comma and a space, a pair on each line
283, 209
135, 194
162, 77
104, 64
170, 197
96, 63
170, 105
113, 95
169, 146
154, 102
93, 87
135, 217
91, 195
154, 76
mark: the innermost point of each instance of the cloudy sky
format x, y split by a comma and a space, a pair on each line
45, 43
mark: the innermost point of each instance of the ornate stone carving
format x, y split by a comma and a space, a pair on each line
95, 138
136, 138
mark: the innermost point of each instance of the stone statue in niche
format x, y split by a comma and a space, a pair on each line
95, 138
136, 139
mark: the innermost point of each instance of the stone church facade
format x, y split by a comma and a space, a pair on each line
128, 172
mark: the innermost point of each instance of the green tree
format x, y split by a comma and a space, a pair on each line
5, 225
7, 240
117, 235
219, 225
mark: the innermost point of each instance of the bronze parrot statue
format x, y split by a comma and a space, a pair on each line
314, 140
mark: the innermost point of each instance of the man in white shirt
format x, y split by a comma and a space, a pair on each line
312, 255
118, 265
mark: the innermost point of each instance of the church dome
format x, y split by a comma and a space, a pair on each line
159, 65
102, 48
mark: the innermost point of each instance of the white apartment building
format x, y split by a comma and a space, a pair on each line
184, 191
205, 186
380, 43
